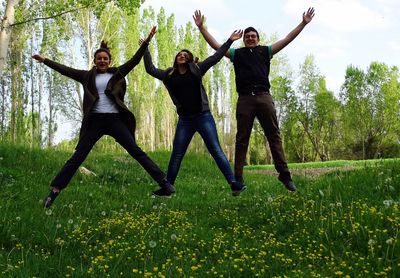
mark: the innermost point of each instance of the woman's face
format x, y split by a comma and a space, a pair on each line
102, 61
182, 58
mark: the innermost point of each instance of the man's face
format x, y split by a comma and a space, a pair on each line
250, 39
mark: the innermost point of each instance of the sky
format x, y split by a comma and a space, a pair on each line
342, 32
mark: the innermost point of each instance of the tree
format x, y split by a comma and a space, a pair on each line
371, 109
50, 10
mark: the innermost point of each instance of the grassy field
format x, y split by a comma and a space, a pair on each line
338, 224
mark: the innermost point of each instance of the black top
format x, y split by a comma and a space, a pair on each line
186, 89
252, 69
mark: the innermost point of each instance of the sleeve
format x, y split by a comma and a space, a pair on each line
269, 48
231, 54
215, 58
151, 69
72, 73
128, 66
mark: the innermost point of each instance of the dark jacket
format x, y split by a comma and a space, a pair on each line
198, 70
116, 87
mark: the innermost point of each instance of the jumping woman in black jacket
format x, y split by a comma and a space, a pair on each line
104, 113
184, 84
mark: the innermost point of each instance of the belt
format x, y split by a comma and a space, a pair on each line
254, 93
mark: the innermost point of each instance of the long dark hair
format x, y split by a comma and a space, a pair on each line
191, 57
103, 48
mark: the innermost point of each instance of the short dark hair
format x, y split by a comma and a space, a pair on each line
250, 29
103, 48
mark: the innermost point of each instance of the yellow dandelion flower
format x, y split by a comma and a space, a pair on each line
194, 267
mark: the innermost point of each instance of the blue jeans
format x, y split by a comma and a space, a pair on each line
187, 126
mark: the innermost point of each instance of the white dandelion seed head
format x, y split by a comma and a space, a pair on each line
387, 203
49, 212
389, 241
152, 243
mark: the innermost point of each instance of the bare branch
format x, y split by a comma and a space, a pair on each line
47, 17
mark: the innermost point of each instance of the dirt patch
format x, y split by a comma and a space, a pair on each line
313, 172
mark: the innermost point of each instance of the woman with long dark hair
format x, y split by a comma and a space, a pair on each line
104, 113
184, 84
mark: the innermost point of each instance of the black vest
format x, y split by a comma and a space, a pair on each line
252, 69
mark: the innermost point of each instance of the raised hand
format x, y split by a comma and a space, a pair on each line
151, 34
237, 34
198, 18
308, 16
38, 58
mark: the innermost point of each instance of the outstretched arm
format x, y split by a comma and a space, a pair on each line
279, 45
217, 56
151, 69
72, 73
128, 66
199, 21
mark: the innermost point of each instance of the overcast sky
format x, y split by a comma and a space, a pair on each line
343, 32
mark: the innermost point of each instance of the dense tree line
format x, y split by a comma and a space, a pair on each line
361, 122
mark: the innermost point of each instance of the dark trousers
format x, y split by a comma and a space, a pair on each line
99, 125
187, 126
260, 105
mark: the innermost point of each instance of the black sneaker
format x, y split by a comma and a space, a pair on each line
237, 188
162, 192
48, 201
288, 182
166, 190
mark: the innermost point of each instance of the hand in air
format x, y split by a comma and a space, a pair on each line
198, 18
38, 58
308, 16
237, 34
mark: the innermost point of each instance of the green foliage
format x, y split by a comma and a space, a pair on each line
338, 224
56, 7
371, 109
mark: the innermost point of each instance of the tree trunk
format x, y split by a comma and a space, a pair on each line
5, 31
3, 108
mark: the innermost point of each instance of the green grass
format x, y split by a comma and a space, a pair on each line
338, 224
329, 164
